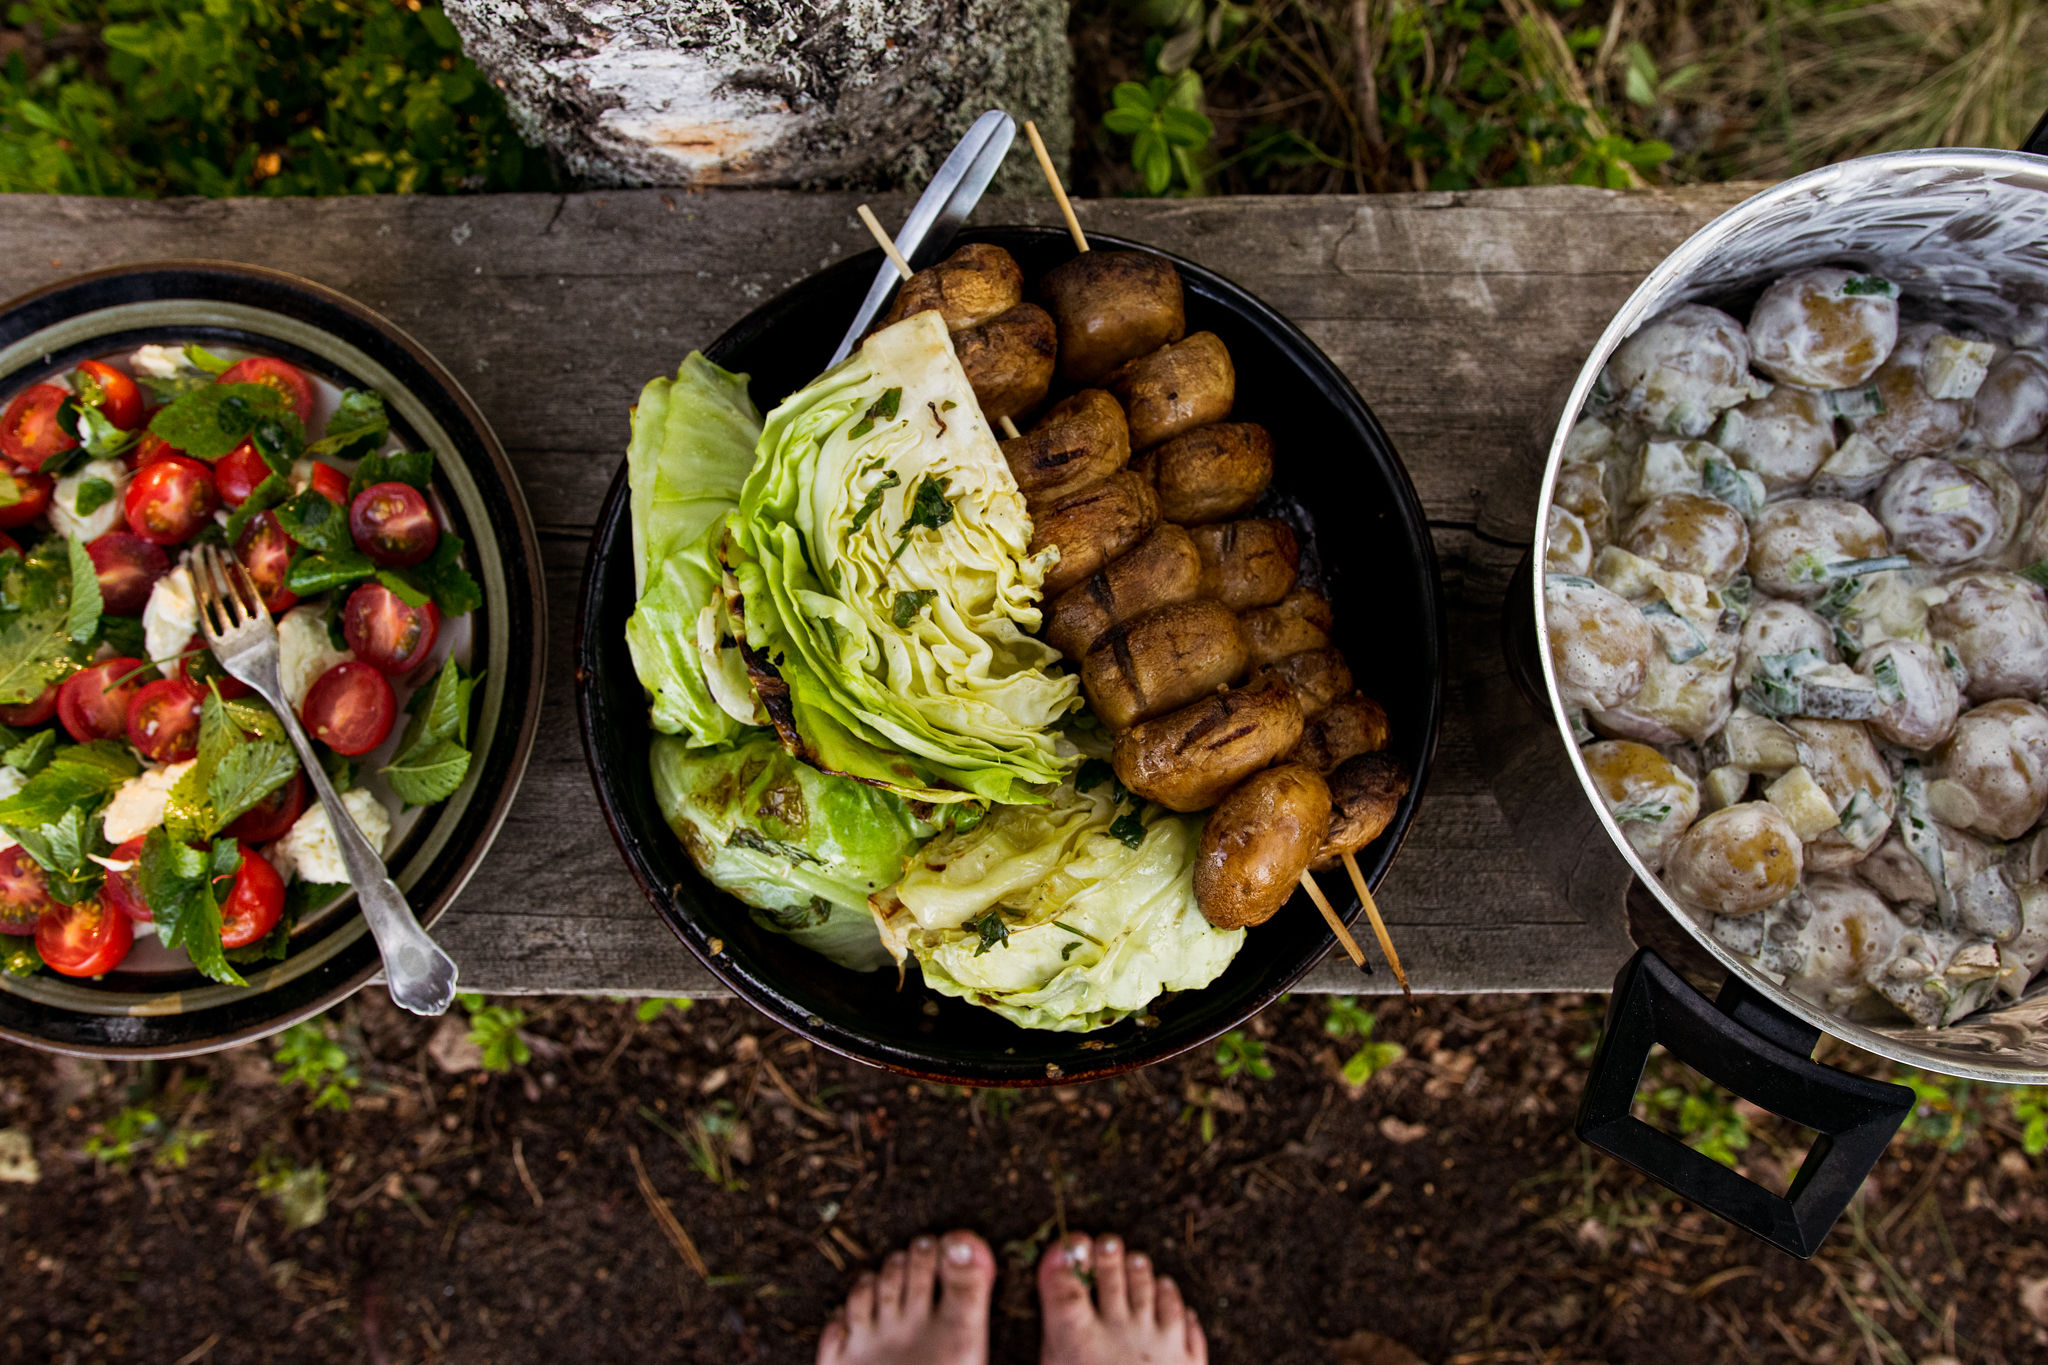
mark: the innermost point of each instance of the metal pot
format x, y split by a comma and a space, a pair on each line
1965, 234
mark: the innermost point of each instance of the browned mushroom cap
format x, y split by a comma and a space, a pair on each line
1318, 677
1160, 569
974, 284
1186, 760
1355, 725
1258, 842
1211, 473
1112, 306
1301, 620
1008, 360
1080, 441
1093, 527
1176, 388
1166, 658
1249, 563
1365, 791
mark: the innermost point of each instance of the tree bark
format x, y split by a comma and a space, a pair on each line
803, 94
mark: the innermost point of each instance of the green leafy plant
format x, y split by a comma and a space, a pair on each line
138, 1128
1947, 1112
1348, 1019
300, 1191
2030, 1111
1704, 1117
495, 1029
651, 1009
313, 1059
1167, 128
1239, 1054
279, 97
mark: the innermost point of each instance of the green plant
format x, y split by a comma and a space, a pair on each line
708, 1143
2030, 1110
300, 1191
1238, 1054
1704, 1116
138, 1128
652, 1008
1348, 1019
313, 1059
155, 97
1167, 128
1947, 1113
495, 1029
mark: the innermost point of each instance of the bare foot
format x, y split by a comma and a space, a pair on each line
892, 1318
1133, 1318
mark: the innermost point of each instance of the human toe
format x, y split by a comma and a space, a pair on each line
889, 1286
1063, 1278
1169, 1310
920, 1277
1196, 1341
1112, 1283
832, 1343
860, 1304
966, 1270
1141, 1286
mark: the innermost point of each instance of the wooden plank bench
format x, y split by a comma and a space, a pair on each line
1460, 317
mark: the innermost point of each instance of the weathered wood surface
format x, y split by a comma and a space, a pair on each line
1459, 316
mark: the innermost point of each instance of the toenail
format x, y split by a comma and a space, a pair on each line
1112, 1245
1140, 1261
960, 1253
1078, 1253
925, 1243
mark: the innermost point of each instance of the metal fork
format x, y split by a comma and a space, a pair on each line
239, 631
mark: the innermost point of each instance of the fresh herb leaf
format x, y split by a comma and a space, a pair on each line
310, 575
415, 467
883, 409
929, 510
359, 426
274, 489
402, 590
428, 774
245, 775
873, 502
18, 956
1886, 674
63, 849
1093, 773
909, 605
31, 755
253, 717
75, 775
35, 651
440, 710
992, 929
86, 602
102, 439
432, 759
442, 577
207, 423
92, 495
1645, 810
1861, 285
279, 440
124, 636
1128, 828
314, 521
202, 359
302, 898
2037, 571
176, 881
1774, 688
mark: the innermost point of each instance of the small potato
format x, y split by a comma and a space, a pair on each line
1093, 527
1365, 792
1912, 421
1079, 442
1783, 438
1175, 389
1161, 659
1112, 306
1789, 538
1257, 843
1211, 473
1249, 563
1567, 548
1186, 760
1678, 702
1840, 756
1318, 676
1998, 625
1692, 534
1897, 874
1161, 569
1654, 802
1736, 861
1994, 770
2012, 402
1582, 492
1921, 696
1824, 328
1681, 368
1353, 725
1779, 627
1940, 513
1600, 644
969, 287
1849, 933
1008, 360
1300, 620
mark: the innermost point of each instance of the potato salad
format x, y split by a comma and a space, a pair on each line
1794, 581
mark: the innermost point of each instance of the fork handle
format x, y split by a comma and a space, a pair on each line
419, 974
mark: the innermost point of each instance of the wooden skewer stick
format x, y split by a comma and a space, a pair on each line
885, 241
1052, 177
1379, 927
1009, 428
1315, 893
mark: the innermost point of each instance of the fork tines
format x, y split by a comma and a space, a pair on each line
227, 596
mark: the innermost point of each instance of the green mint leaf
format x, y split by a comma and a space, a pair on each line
124, 636
86, 602
415, 467
103, 440
35, 651
315, 521
176, 882
440, 710
402, 590
92, 495
442, 576
209, 422
873, 502
279, 439
359, 426
247, 774
909, 605
302, 898
274, 489
311, 575
200, 358
1128, 828
31, 755
429, 774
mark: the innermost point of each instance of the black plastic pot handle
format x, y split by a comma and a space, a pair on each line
2037, 141
1749, 1046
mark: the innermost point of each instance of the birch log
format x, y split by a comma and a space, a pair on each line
814, 93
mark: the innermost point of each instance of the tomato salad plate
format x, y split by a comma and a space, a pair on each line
167, 884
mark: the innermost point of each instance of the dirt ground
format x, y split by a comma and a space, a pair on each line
472, 1217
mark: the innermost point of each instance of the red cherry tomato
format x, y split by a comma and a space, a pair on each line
238, 472
286, 378
30, 432
266, 552
120, 400
269, 818
330, 483
128, 567
256, 904
171, 500
93, 702
350, 708
8, 544
150, 449
385, 633
86, 939
35, 492
120, 890
163, 720
393, 525
31, 712
200, 668
24, 894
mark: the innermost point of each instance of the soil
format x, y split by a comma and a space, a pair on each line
476, 1217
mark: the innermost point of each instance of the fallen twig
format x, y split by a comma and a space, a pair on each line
665, 1216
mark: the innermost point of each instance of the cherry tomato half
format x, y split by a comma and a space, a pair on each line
330, 483
34, 498
170, 500
31, 712
269, 818
120, 400
393, 525
199, 668
163, 720
350, 708
385, 633
86, 939
266, 552
24, 894
256, 904
93, 702
238, 472
119, 889
150, 449
286, 378
128, 567
30, 432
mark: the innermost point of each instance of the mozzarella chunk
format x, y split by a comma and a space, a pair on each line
304, 652
64, 515
308, 847
138, 804
10, 783
162, 362
171, 617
